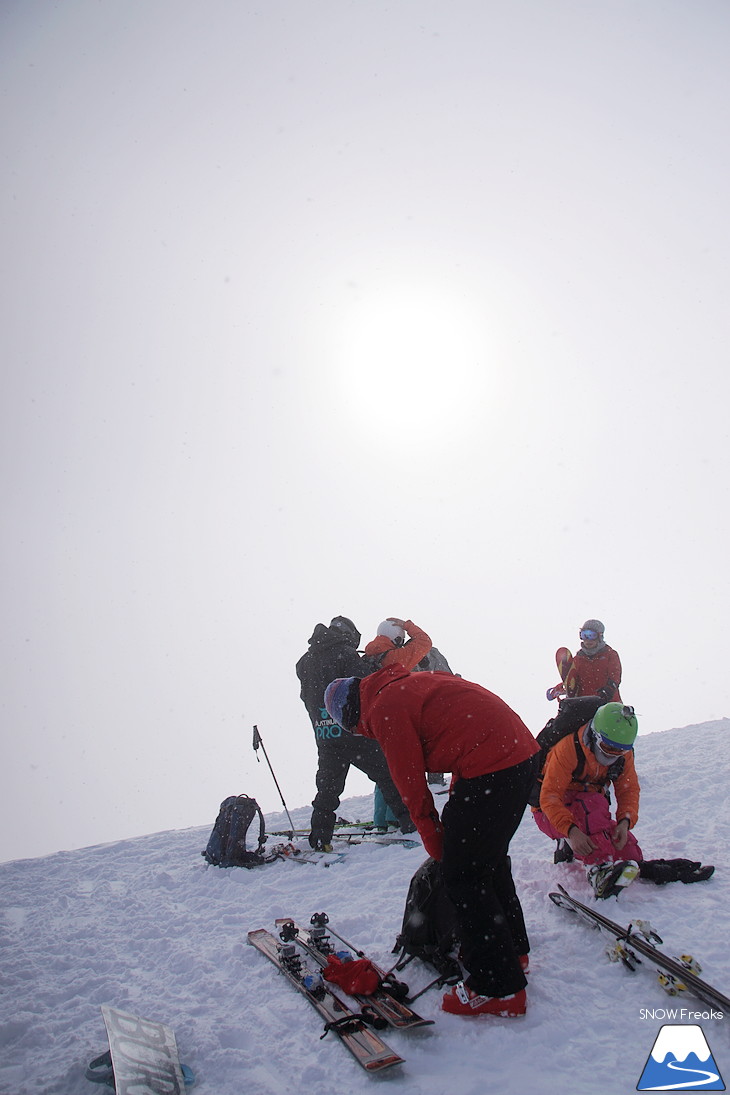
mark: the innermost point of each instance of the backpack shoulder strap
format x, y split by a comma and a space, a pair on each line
580, 759
254, 809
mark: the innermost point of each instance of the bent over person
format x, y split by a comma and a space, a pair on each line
332, 652
437, 722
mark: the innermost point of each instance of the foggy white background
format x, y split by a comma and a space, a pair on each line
347, 307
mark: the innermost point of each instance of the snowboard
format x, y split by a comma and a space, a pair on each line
143, 1055
563, 660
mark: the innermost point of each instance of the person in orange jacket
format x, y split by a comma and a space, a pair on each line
574, 802
437, 721
390, 647
596, 668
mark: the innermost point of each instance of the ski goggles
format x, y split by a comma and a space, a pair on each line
611, 749
590, 634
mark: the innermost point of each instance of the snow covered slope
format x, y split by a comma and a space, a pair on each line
146, 926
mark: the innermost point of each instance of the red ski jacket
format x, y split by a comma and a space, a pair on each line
433, 722
588, 673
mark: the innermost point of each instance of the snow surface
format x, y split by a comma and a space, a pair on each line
147, 927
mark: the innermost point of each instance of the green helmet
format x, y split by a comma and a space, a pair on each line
616, 724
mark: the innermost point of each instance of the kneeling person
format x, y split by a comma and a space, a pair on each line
575, 802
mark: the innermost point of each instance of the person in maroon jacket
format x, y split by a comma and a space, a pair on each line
435, 722
596, 668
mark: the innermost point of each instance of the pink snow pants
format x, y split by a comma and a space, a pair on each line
591, 813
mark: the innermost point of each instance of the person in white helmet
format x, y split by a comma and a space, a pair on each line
390, 646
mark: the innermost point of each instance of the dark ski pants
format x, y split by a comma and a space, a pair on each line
335, 758
480, 819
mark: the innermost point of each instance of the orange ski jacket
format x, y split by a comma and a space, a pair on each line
408, 655
559, 788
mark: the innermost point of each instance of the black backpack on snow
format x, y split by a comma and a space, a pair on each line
227, 844
429, 928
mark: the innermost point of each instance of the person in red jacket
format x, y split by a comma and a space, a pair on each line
437, 722
596, 668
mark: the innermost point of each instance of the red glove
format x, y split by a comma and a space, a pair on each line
358, 976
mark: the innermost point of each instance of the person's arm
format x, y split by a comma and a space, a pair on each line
627, 790
557, 777
417, 647
610, 689
396, 734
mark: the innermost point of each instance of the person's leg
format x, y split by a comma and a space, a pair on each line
591, 811
331, 777
480, 819
367, 755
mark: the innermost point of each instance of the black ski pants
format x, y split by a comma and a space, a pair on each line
335, 758
480, 819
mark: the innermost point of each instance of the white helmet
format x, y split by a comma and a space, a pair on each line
392, 631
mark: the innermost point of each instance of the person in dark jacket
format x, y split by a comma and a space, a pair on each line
333, 653
427, 721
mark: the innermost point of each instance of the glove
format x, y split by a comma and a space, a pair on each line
661, 871
607, 691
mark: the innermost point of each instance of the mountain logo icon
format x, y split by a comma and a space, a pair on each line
680, 1060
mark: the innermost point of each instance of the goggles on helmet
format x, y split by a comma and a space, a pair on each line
589, 634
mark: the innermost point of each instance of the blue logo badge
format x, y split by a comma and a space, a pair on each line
680, 1060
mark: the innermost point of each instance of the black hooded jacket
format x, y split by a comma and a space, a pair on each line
332, 653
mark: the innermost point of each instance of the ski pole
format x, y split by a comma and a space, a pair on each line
258, 740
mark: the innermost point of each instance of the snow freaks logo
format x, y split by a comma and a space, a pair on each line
680, 1060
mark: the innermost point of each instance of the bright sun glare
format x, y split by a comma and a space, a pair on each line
411, 358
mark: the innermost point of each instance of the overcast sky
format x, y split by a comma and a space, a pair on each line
414, 308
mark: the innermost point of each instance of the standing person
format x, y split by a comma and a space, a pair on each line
596, 668
333, 651
435, 721
390, 645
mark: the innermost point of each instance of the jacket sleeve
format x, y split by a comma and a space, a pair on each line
415, 649
556, 780
404, 753
627, 793
614, 669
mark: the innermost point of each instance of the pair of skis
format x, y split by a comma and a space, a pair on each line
676, 975
361, 835
300, 954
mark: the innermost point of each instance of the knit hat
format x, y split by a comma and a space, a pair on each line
342, 701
